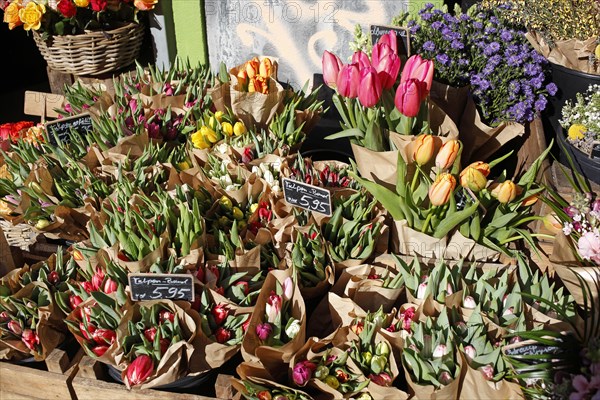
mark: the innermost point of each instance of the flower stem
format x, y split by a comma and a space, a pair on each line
428, 219
541, 235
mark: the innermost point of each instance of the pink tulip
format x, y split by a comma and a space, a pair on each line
387, 69
362, 59
331, 68
110, 286
99, 350
589, 247
301, 374
30, 338
139, 370
408, 98
391, 40
381, 379
97, 279
470, 352
288, 288
421, 290
445, 378
349, 81
420, 70
15, 327
369, 91
263, 331
273, 307
487, 371
440, 351
469, 302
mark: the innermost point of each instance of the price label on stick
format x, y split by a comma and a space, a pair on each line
309, 197
161, 287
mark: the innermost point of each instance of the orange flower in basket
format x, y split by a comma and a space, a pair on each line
11, 14
145, 5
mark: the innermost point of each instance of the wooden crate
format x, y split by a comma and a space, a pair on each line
23, 382
91, 382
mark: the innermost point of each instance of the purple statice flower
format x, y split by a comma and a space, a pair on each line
506, 35
491, 49
437, 25
537, 81
426, 16
443, 59
477, 25
514, 61
429, 46
552, 88
457, 44
489, 30
541, 103
450, 19
532, 69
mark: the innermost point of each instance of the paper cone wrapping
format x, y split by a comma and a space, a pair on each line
252, 347
50, 328
571, 53
408, 241
180, 359
481, 141
429, 392
452, 100
475, 386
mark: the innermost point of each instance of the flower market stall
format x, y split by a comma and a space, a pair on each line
197, 253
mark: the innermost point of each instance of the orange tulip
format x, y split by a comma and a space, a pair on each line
441, 190
266, 68
242, 77
447, 154
531, 200
252, 67
424, 146
506, 191
474, 176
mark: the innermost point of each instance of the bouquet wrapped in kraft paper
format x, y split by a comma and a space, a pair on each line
250, 91
256, 388
278, 325
158, 344
32, 324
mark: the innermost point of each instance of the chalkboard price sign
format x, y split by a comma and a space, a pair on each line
595, 150
161, 286
307, 196
532, 349
402, 35
64, 128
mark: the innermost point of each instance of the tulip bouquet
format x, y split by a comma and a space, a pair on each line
309, 260
367, 97
11, 133
266, 390
67, 17
94, 324
29, 323
240, 287
216, 127
254, 75
220, 321
323, 174
432, 366
156, 340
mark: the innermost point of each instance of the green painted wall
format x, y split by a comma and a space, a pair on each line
190, 30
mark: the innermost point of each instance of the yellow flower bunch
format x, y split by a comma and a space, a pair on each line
254, 75
216, 127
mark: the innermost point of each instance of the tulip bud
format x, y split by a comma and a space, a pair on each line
363, 395
293, 329
74, 301
104, 336
244, 285
447, 154
421, 291
440, 351
381, 379
506, 191
110, 286
266, 67
252, 67
4, 316
219, 313
487, 371
470, 352
15, 327
361, 59
53, 277
421, 71
165, 316
341, 375
474, 176
321, 372
150, 333
552, 223
424, 146
242, 77
366, 356
301, 374
222, 335
445, 378
378, 363
508, 311
531, 200
331, 68
332, 382
209, 135
469, 302
382, 349
31, 339
227, 128
239, 128
288, 288
369, 90
357, 327
264, 395
99, 350
97, 279
408, 99
139, 370
349, 81
263, 331
42, 224
164, 345
441, 190
273, 307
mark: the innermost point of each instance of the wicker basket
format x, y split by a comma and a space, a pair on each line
93, 52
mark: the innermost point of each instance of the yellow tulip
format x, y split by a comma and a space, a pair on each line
32, 15
227, 128
424, 146
11, 14
219, 116
577, 132
209, 135
447, 154
441, 190
597, 52
198, 140
82, 3
474, 176
506, 191
239, 128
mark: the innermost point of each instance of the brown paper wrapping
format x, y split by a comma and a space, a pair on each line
409, 241
429, 392
481, 141
6, 259
452, 100
272, 357
571, 53
475, 386
50, 328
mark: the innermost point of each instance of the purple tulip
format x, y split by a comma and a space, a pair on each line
263, 331
301, 374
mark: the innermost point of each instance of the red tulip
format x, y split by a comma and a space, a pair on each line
421, 70
99, 350
244, 285
139, 370
104, 336
164, 345
74, 301
331, 68
87, 286
97, 279
150, 333
369, 91
15, 327
408, 98
222, 335
86, 332
110, 286
30, 338
391, 40
219, 313
165, 315
200, 274
4, 316
246, 324
349, 81
53, 277
381, 379
387, 66
361, 59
